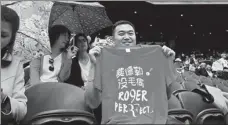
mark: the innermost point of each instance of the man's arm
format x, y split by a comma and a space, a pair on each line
93, 90
170, 74
92, 96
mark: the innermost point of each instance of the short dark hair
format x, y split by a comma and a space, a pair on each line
10, 16
120, 23
55, 31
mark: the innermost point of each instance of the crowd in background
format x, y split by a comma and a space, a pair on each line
210, 66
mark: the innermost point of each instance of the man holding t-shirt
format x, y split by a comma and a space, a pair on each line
131, 81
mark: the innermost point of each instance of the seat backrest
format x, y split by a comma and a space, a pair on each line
210, 116
188, 85
193, 102
175, 86
174, 103
191, 79
63, 117
176, 110
54, 96
207, 81
194, 76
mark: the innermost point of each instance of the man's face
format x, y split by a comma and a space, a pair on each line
124, 35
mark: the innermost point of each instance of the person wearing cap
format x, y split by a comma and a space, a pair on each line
179, 65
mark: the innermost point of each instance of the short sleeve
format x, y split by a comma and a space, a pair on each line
98, 73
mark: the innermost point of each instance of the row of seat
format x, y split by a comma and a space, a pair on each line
189, 106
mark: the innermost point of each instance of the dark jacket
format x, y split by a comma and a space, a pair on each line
202, 72
75, 76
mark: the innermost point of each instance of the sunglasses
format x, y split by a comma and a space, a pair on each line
51, 67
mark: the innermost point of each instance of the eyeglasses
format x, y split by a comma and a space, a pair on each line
51, 67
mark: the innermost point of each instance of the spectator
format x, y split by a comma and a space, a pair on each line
221, 64
54, 67
187, 61
209, 71
179, 65
13, 99
223, 60
201, 70
82, 70
193, 59
123, 35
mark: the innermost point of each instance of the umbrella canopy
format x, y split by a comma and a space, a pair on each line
79, 17
32, 38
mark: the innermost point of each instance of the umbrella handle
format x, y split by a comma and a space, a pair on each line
72, 39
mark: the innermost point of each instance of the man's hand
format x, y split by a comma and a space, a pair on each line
95, 51
169, 52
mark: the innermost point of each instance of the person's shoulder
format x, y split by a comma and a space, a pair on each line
152, 46
16, 63
17, 60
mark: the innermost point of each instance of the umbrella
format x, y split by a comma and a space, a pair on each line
32, 38
79, 17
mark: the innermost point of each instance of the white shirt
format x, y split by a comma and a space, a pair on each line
87, 71
219, 65
210, 73
223, 62
47, 75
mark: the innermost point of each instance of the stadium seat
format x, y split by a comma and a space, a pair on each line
176, 110
188, 85
56, 103
206, 80
210, 116
174, 103
175, 86
191, 79
201, 110
194, 76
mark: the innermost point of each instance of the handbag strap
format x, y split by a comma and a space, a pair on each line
202, 90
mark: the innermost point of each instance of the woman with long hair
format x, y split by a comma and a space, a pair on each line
13, 99
82, 70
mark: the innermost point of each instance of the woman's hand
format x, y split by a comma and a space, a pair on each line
71, 52
168, 52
